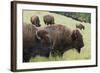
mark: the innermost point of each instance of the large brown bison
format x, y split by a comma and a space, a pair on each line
80, 26
35, 42
48, 20
35, 20
63, 39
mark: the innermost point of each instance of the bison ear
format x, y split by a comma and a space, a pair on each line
74, 34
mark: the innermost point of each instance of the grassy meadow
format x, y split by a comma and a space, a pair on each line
69, 22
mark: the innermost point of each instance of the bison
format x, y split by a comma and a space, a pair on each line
80, 26
64, 38
48, 20
35, 42
35, 20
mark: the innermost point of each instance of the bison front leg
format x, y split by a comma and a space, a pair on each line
54, 53
27, 54
26, 58
60, 53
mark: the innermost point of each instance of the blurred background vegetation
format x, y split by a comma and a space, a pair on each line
83, 17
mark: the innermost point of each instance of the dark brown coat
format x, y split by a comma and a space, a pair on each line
35, 42
64, 38
35, 20
48, 19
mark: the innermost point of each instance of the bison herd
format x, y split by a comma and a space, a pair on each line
52, 39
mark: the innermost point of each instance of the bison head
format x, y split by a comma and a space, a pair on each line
77, 40
44, 37
35, 21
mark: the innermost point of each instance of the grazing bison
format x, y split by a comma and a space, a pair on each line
80, 26
35, 20
63, 39
35, 42
48, 19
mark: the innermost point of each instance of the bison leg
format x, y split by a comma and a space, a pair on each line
26, 54
53, 52
60, 53
26, 58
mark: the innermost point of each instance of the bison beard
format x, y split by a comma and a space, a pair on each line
64, 38
32, 45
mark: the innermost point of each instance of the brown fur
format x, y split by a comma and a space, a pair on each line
63, 38
44, 37
32, 45
28, 35
48, 19
35, 20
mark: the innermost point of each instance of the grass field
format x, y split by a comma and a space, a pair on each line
60, 19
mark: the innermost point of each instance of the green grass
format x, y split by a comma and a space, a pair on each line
60, 19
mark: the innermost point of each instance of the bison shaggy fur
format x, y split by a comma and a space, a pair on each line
48, 19
64, 38
35, 20
35, 42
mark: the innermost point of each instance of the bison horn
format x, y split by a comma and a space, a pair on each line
37, 35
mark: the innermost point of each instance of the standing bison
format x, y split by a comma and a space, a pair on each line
80, 26
48, 19
35, 42
35, 20
63, 39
